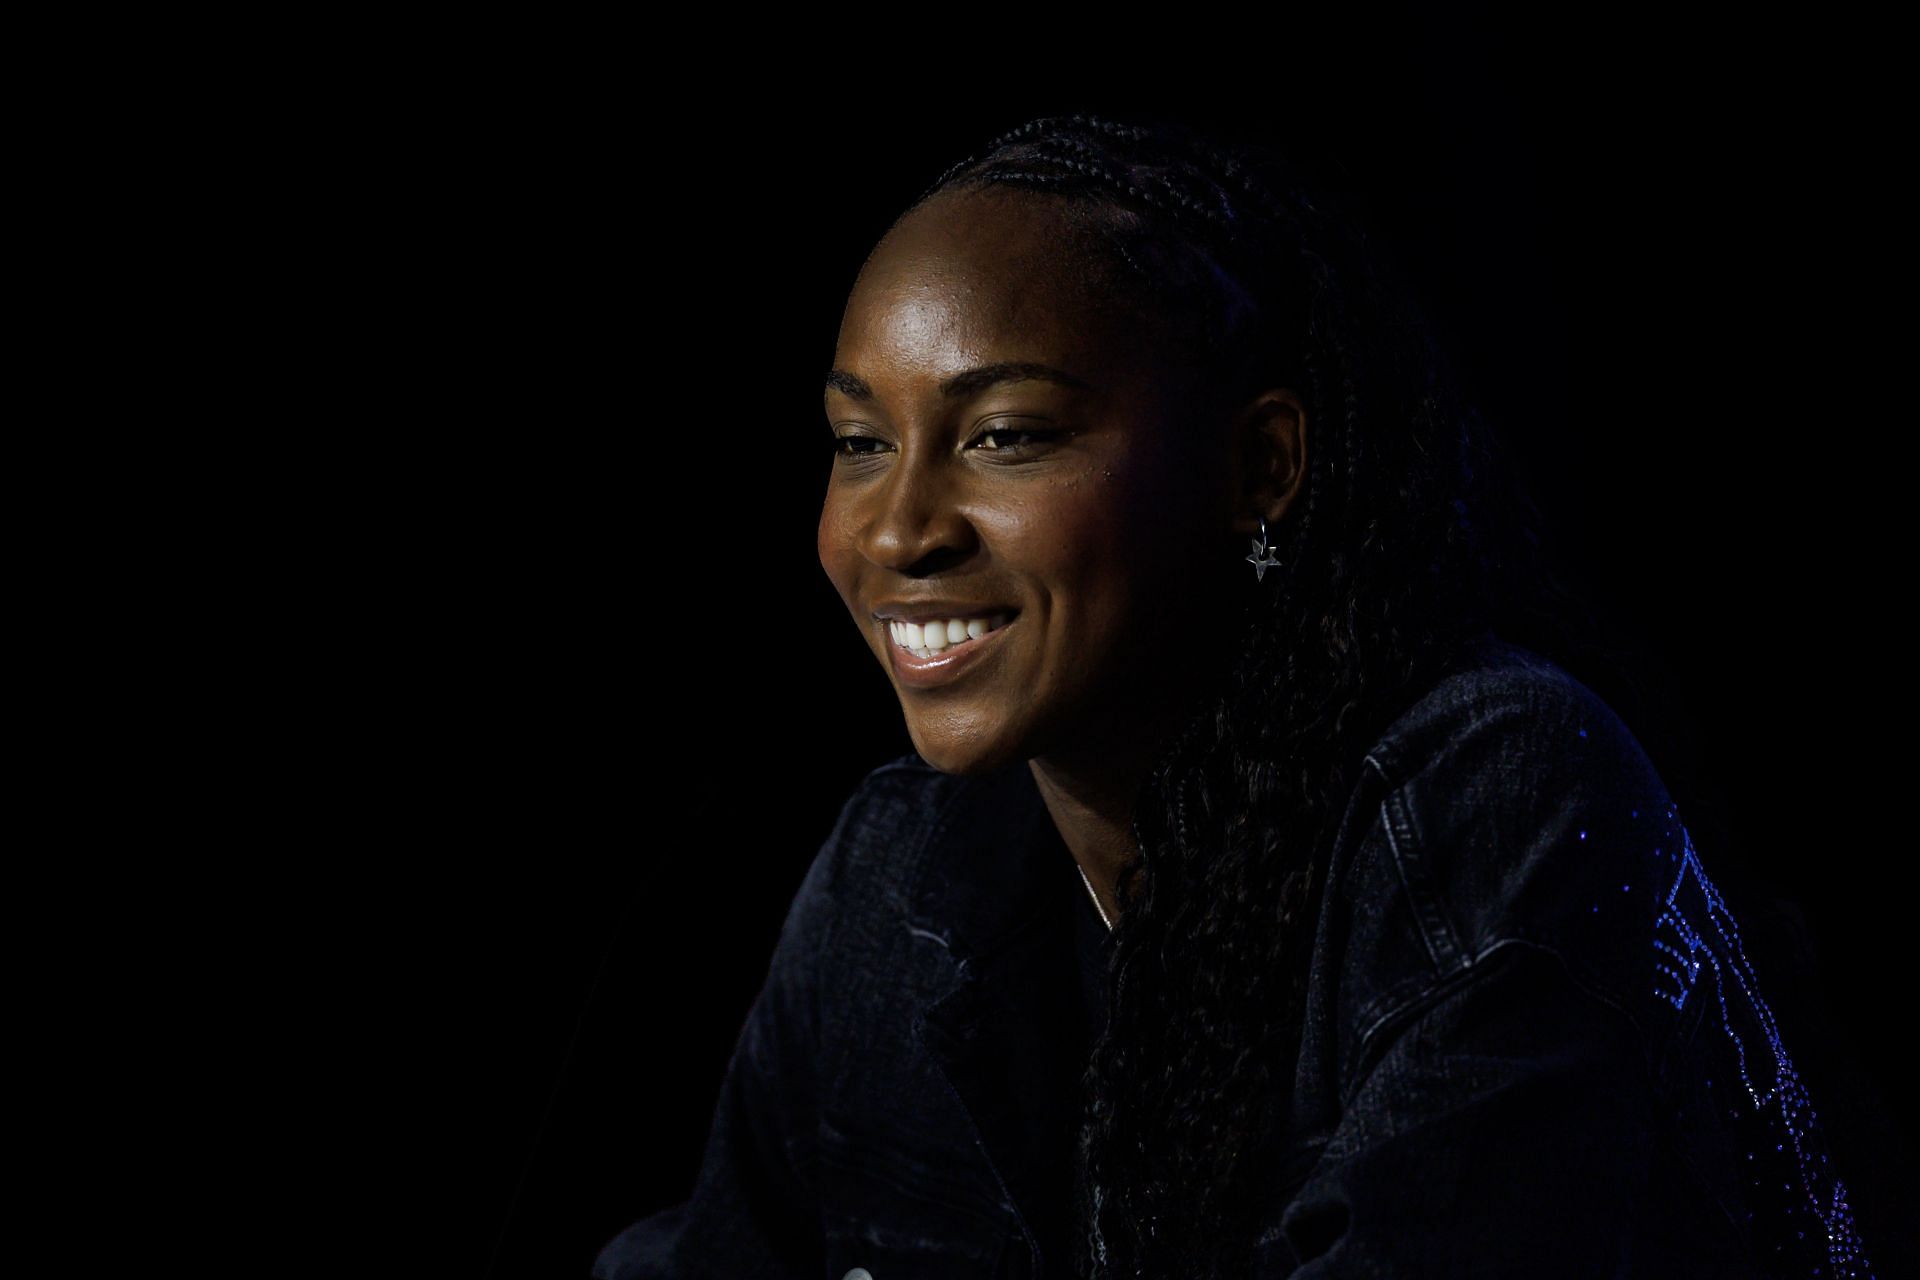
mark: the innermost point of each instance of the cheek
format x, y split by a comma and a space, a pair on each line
834, 547
1079, 553
1120, 555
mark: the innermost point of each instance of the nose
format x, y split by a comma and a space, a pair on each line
914, 523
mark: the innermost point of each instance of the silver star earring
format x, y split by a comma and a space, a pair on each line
1262, 558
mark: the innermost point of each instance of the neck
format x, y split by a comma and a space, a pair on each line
1091, 803
1091, 786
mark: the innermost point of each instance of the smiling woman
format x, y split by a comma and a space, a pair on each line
1290, 919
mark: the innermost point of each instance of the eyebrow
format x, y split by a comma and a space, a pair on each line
968, 382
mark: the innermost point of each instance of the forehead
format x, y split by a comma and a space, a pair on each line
990, 274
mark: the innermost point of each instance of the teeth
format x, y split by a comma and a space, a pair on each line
923, 641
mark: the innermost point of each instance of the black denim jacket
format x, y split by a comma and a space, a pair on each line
1533, 1045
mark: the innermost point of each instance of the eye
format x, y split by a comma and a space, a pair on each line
1015, 438
845, 446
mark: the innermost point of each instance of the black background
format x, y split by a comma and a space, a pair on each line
603, 704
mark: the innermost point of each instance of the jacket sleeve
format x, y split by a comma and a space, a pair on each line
753, 1210
1503, 1129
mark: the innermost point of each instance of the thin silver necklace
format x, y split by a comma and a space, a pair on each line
1096, 897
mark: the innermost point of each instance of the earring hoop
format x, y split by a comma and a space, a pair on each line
1262, 558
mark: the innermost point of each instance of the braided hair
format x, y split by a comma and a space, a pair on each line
1411, 536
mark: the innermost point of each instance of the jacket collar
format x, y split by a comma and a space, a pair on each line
996, 889
993, 860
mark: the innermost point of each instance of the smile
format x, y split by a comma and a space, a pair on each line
937, 650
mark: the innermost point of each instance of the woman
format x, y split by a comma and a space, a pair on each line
1238, 911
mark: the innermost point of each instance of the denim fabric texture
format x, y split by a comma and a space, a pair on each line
1533, 1045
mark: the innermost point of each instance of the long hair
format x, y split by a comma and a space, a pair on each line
1411, 535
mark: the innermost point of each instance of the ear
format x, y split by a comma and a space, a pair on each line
1269, 458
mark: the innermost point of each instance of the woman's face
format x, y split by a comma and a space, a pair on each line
1016, 469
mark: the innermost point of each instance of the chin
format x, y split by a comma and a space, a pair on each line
964, 755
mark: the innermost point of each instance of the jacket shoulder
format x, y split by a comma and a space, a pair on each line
1513, 805
1508, 699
